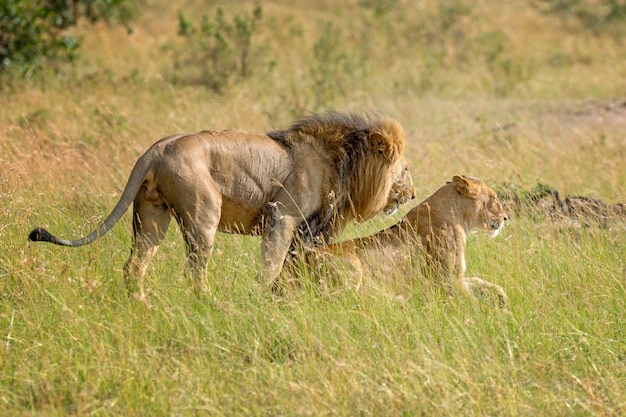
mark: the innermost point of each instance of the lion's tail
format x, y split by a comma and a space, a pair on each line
137, 176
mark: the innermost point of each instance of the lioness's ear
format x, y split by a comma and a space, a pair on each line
381, 146
465, 186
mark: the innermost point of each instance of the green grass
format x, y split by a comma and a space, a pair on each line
548, 107
75, 344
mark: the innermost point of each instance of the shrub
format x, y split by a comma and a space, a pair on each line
218, 51
597, 15
32, 32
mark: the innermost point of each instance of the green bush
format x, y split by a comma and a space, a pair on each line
32, 32
218, 49
594, 15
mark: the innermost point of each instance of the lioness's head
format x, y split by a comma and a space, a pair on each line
481, 207
402, 191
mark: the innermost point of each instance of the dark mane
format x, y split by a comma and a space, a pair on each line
345, 137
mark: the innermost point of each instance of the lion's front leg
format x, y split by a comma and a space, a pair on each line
277, 237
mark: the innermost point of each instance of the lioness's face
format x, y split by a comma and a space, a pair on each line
493, 214
402, 191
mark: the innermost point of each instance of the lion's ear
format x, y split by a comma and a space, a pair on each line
381, 146
465, 186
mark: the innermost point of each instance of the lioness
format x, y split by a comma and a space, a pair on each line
307, 181
434, 232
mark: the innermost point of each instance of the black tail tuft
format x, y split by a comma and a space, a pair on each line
40, 235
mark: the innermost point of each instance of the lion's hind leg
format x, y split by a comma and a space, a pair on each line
199, 227
485, 290
150, 224
336, 270
199, 240
344, 268
196, 205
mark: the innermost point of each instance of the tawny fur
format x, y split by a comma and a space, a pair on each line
307, 181
434, 232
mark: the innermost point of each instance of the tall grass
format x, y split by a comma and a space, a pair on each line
498, 90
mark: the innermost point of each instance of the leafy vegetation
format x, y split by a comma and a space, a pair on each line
31, 32
595, 15
219, 48
526, 98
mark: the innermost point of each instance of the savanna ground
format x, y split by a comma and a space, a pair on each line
511, 92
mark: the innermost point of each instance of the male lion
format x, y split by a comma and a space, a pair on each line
307, 181
433, 232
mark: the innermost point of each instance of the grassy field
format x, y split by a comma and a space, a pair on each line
506, 91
